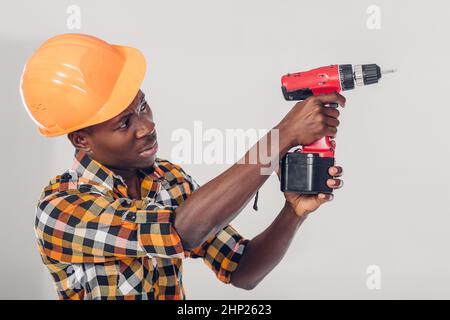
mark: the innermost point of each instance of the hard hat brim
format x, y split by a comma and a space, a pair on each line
126, 87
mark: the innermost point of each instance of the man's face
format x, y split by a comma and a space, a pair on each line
126, 141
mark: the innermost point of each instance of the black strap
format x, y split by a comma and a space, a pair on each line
255, 204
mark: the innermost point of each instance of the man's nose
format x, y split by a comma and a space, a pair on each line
145, 127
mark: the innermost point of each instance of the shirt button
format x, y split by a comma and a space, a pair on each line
66, 176
124, 202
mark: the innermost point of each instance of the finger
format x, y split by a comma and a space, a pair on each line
335, 171
333, 143
335, 183
331, 97
331, 131
324, 197
331, 112
332, 122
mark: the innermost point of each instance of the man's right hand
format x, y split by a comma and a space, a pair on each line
309, 121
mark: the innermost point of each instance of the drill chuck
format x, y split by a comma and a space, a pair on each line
365, 74
361, 74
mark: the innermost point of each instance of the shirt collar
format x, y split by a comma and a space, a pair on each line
95, 171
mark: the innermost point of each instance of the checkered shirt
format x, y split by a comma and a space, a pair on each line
98, 243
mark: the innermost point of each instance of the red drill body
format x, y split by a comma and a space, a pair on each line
318, 81
314, 82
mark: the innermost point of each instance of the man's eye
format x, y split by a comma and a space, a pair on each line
124, 125
143, 107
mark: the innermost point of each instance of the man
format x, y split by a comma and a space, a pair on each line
118, 223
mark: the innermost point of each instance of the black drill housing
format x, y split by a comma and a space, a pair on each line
305, 173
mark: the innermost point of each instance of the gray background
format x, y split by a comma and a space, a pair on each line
220, 62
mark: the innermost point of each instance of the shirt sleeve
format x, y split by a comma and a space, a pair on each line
77, 227
221, 252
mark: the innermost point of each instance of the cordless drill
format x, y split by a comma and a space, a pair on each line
306, 169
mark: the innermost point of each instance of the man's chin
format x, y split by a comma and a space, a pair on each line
147, 162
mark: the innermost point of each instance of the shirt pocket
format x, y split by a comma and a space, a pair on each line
173, 194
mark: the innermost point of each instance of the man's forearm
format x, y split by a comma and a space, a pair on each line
215, 204
267, 249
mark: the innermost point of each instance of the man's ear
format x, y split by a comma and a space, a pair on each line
80, 140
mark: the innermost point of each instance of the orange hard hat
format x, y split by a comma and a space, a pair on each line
76, 80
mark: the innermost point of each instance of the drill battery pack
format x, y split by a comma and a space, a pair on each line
305, 173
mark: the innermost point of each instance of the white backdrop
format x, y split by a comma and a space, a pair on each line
220, 62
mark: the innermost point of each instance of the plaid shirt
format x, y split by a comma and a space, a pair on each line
99, 244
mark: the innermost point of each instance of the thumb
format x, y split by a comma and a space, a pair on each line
324, 197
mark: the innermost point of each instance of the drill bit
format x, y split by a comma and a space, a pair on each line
388, 71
